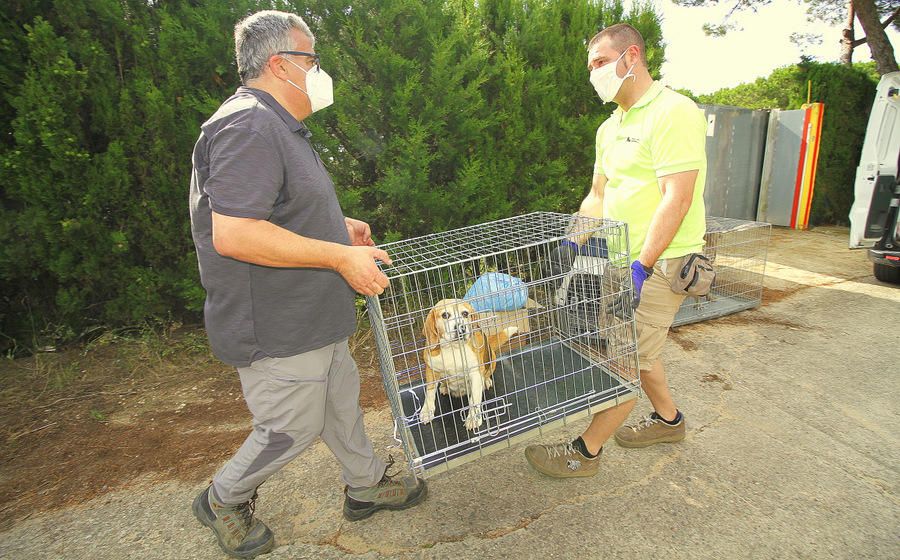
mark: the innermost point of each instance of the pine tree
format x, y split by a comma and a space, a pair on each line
447, 113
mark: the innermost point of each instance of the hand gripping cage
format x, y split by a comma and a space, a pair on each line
573, 351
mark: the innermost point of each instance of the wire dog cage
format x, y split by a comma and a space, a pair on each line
737, 249
486, 337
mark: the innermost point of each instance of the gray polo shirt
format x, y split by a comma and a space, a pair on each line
254, 160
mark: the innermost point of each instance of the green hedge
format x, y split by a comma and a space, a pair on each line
848, 93
447, 113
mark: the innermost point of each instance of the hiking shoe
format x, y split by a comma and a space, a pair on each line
391, 492
650, 430
238, 533
562, 460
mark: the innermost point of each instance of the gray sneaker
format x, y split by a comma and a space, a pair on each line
650, 430
391, 492
238, 533
562, 460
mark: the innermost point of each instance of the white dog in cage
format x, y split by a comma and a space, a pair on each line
459, 357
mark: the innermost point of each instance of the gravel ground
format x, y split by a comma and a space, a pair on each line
793, 452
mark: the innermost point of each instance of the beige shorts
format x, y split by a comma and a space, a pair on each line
656, 311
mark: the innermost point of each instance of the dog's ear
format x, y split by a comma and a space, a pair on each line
480, 339
430, 328
475, 322
489, 353
484, 346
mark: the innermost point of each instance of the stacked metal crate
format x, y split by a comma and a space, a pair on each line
573, 354
737, 249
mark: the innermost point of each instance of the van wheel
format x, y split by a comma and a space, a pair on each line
887, 273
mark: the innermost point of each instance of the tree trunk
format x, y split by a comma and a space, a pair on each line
882, 51
848, 36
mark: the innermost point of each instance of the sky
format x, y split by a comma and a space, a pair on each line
705, 64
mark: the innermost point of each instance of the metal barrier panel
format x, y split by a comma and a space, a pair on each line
735, 146
779, 177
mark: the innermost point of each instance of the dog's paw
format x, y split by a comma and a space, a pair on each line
488, 383
443, 389
473, 420
512, 331
426, 415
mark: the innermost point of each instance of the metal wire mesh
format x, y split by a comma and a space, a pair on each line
738, 250
574, 352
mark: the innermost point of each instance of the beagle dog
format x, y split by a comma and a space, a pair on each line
459, 358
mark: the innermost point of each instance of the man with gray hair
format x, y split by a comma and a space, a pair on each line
280, 264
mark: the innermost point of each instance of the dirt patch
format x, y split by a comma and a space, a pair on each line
81, 456
129, 413
678, 338
371, 390
756, 318
773, 296
770, 295
750, 317
123, 416
715, 378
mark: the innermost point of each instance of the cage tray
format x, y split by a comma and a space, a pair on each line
524, 397
700, 309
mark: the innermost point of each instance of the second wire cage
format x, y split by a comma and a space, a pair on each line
490, 334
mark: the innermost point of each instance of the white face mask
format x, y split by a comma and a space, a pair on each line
607, 82
319, 87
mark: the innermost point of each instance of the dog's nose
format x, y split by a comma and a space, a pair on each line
462, 329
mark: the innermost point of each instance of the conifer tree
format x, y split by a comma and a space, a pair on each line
447, 113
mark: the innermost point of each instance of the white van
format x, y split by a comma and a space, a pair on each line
873, 217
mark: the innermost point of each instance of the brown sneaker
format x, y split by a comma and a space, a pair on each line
238, 532
650, 430
562, 460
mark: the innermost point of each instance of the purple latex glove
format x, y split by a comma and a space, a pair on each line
639, 273
562, 258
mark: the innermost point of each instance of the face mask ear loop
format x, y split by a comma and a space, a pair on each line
298, 87
305, 71
630, 72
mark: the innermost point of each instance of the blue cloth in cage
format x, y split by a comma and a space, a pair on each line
493, 291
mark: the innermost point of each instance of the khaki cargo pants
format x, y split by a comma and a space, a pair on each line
294, 400
656, 311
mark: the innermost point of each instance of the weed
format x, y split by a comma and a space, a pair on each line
63, 373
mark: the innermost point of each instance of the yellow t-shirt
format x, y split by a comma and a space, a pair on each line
663, 133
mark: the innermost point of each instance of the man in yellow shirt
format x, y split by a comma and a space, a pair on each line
649, 173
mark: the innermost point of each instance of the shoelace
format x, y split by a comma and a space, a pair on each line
246, 510
387, 478
560, 449
644, 422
